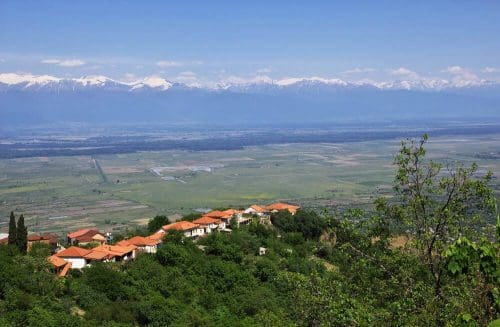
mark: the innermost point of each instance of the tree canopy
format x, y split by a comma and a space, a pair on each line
349, 268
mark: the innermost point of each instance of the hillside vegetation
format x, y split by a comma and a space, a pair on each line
342, 269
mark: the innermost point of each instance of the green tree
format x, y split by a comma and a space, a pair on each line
191, 216
12, 229
155, 224
436, 206
22, 235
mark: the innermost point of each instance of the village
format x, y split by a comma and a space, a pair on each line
87, 246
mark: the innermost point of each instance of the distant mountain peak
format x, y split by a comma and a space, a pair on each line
155, 82
254, 85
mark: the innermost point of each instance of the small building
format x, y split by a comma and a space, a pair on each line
225, 215
144, 244
75, 255
210, 224
49, 239
112, 253
188, 228
256, 210
86, 236
279, 206
60, 266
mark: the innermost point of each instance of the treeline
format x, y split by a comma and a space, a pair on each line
119, 145
349, 269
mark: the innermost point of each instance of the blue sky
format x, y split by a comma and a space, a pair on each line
224, 40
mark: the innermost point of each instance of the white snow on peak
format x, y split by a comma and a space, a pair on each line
152, 81
93, 80
295, 80
254, 84
13, 79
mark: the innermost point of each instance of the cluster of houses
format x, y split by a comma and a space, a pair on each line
79, 254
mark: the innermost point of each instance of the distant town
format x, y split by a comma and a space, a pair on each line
85, 247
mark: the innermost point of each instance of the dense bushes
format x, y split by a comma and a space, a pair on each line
308, 223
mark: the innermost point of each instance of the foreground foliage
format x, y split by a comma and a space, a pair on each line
319, 270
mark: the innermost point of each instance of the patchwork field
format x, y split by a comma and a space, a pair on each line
115, 191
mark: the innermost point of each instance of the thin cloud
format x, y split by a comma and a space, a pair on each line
187, 77
64, 63
264, 70
454, 70
359, 70
490, 70
462, 76
168, 63
402, 71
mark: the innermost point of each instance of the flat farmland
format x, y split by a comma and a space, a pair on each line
115, 191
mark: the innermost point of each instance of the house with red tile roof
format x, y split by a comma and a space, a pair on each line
60, 266
86, 236
210, 224
188, 228
144, 244
75, 255
225, 215
275, 207
49, 239
257, 210
112, 253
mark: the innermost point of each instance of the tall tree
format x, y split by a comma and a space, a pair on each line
12, 229
155, 224
22, 235
437, 206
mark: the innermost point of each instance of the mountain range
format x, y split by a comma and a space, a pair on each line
27, 99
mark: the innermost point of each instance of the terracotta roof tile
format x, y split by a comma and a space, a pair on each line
157, 236
73, 252
180, 225
115, 250
97, 255
139, 241
258, 208
283, 206
205, 220
56, 261
79, 233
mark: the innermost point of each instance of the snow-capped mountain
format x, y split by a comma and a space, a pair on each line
27, 99
264, 84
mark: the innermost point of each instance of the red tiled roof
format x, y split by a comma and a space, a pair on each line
43, 237
79, 233
158, 236
205, 220
72, 252
258, 208
56, 261
60, 263
139, 241
85, 235
222, 214
216, 214
283, 206
180, 225
97, 255
114, 250
65, 270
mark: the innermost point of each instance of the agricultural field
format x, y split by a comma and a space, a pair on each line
113, 192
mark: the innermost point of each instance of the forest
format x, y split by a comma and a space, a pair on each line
426, 256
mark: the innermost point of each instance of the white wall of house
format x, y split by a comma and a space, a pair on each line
76, 263
252, 212
150, 248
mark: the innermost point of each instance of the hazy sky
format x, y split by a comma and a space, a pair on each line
247, 40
